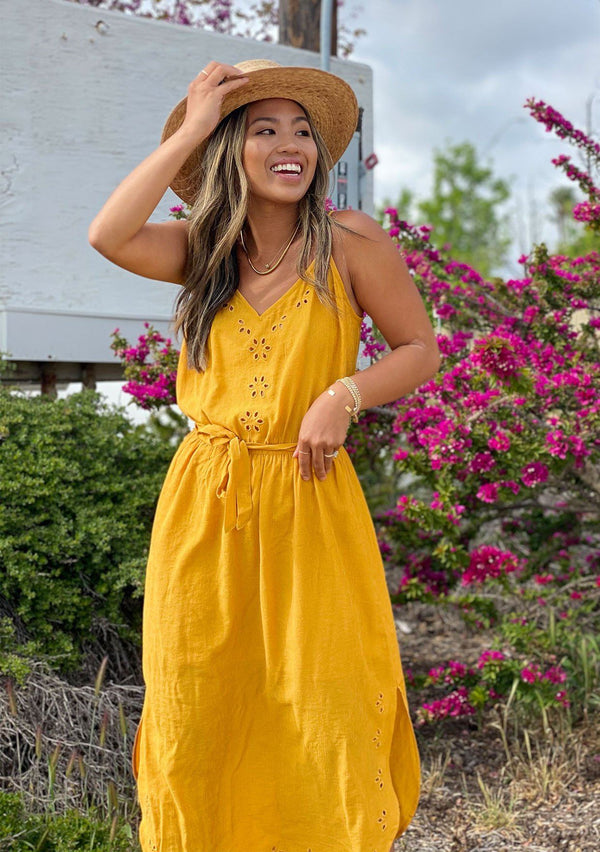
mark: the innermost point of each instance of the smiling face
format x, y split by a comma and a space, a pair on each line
280, 154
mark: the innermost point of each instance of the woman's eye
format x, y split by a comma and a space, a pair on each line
266, 130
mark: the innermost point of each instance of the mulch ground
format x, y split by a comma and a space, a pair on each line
476, 796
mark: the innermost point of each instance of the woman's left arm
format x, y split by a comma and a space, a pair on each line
383, 287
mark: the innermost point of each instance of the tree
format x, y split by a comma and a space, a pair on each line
572, 238
562, 200
404, 206
299, 24
463, 209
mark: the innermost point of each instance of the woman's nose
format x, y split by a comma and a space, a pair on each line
288, 142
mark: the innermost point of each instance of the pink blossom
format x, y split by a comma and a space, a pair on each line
487, 562
531, 674
534, 473
488, 492
453, 705
481, 462
499, 355
500, 441
489, 656
456, 670
555, 675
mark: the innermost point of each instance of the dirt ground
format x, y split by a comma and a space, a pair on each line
537, 793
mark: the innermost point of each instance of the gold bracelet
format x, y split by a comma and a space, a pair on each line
351, 385
352, 388
350, 411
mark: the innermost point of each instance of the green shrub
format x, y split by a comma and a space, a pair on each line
69, 832
78, 488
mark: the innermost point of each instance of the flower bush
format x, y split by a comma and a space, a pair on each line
150, 367
492, 468
501, 450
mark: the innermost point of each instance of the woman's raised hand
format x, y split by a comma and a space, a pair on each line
204, 98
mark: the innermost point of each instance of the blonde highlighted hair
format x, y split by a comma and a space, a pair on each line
216, 219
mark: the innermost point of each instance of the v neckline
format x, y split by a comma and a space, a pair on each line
277, 301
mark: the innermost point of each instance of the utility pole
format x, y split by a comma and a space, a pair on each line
299, 24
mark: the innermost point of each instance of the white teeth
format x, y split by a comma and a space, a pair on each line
287, 167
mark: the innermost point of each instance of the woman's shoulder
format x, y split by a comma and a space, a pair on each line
357, 221
361, 240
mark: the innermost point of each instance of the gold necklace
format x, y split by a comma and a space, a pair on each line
269, 266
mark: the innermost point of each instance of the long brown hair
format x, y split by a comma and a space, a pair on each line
216, 219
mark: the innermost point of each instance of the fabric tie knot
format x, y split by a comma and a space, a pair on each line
235, 487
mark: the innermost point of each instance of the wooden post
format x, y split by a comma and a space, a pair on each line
299, 24
48, 387
88, 377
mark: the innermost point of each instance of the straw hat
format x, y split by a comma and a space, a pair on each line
329, 101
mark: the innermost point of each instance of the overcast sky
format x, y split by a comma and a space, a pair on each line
461, 70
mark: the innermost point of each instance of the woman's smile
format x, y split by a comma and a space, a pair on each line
288, 169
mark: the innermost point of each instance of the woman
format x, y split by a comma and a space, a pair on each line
275, 716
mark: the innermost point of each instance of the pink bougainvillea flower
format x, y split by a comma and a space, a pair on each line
534, 473
488, 492
487, 562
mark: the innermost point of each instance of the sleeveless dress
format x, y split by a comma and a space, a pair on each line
275, 715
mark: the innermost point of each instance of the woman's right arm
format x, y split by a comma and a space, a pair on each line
121, 231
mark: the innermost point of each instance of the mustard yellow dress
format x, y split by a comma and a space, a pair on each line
275, 716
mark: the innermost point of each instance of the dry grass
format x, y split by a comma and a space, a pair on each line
67, 746
543, 802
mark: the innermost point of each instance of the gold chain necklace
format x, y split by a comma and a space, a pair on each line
269, 266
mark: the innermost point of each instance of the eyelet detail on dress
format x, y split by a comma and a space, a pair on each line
252, 421
382, 820
258, 386
259, 348
242, 327
279, 324
303, 301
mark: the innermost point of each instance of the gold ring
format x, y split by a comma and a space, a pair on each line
304, 452
332, 455
204, 72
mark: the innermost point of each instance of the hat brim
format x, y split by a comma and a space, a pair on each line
329, 101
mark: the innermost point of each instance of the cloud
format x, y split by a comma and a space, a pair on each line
462, 70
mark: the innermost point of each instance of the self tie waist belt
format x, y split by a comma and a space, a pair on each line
235, 486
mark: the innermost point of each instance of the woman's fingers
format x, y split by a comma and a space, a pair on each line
304, 461
218, 73
314, 458
319, 463
205, 95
